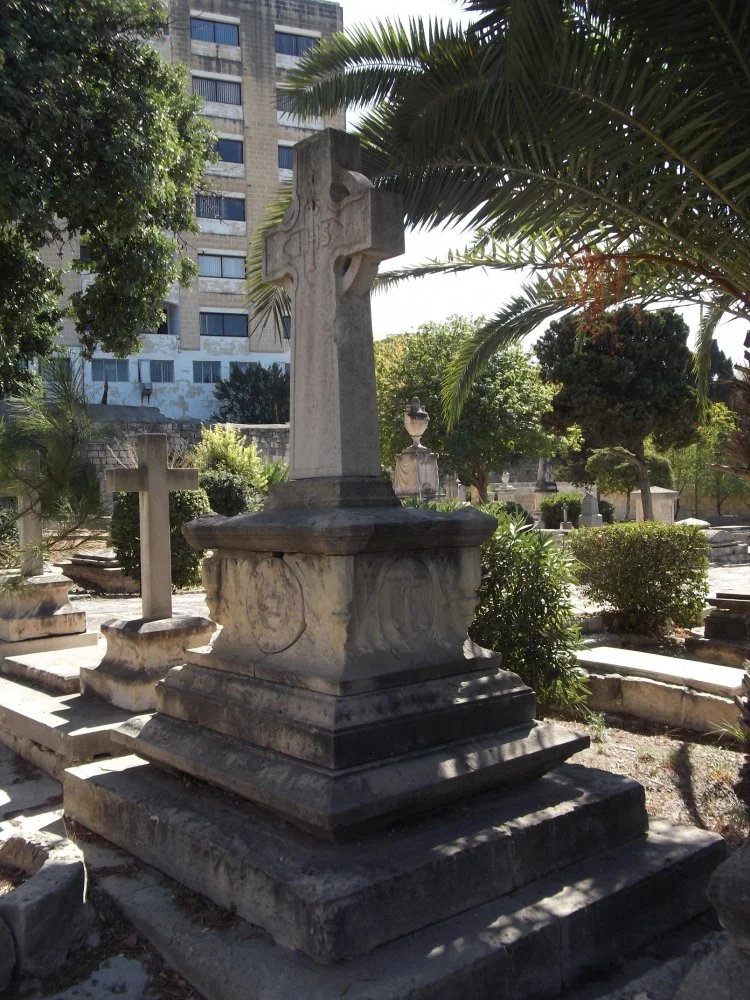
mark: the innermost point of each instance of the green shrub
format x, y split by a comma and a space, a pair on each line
525, 611
275, 472
228, 493
223, 447
184, 506
607, 510
552, 509
510, 507
652, 575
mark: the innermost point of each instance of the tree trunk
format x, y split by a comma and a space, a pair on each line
644, 484
480, 481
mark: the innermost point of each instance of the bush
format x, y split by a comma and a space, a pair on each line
525, 611
256, 396
223, 447
607, 510
511, 508
552, 509
184, 506
228, 493
652, 575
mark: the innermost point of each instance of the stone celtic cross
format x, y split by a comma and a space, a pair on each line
153, 481
326, 253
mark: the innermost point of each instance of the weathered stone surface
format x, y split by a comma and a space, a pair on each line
47, 913
48, 643
326, 253
58, 670
7, 955
339, 732
139, 653
699, 676
339, 805
55, 730
724, 974
729, 892
38, 607
521, 946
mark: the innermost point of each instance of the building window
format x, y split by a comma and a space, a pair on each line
218, 266
288, 44
216, 324
162, 329
242, 366
161, 371
110, 370
209, 206
206, 371
230, 150
203, 30
217, 91
284, 102
286, 157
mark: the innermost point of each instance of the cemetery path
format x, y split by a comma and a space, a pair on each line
101, 607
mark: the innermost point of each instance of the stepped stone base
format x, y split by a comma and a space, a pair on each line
55, 730
58, 670
139, 653
513, 895
101, 570
47, 643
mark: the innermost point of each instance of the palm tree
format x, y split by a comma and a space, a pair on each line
605, 143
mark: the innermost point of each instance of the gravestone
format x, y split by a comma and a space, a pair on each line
141, 650
35, 611
590, 516
390, 756
416, 472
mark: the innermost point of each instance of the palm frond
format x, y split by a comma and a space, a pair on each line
269, 303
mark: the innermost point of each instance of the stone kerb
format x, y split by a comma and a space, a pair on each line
46, 917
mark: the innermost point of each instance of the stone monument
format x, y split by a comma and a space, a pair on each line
545, 482
141, 650
590, 516
343, 697
416, 472
35, 612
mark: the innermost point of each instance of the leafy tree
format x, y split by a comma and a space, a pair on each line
256, 396
604, 143
720, 375
630, 382
97, 130
698, 467
502, 417
613, 473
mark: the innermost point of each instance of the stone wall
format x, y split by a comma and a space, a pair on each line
271, 440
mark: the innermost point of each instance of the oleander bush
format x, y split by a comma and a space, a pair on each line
652, 576
125, 533
525, 610
228, 492
607, 510
224, 447
552, 509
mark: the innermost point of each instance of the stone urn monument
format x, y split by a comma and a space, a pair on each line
416, 472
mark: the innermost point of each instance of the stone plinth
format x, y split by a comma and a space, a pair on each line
101, 570
37, 606
139, 653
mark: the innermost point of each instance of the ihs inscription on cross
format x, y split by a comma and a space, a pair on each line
326, 253
153, 481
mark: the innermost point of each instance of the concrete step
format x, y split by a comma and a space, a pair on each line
536, 941
47, 643
687, 693
333, 902
58, 670
55, 730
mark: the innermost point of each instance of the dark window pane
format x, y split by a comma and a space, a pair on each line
206, 371
226, 34
286, 157
230, 150
212, 325
219, 91
201, 30
235, 325
207, 206
288, 44
109, 370
284, 102
233, 209
162, 371
209, 266
233, 267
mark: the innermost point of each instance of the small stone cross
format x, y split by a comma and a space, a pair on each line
326, 253
153, 481
29, 523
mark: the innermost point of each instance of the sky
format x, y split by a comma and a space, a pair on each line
404, 307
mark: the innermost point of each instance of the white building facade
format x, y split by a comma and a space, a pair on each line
237, 52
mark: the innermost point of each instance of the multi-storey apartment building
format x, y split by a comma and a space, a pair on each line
237, 52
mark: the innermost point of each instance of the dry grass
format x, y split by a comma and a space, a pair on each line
700, 781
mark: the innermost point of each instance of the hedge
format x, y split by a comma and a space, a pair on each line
552, 509
651, 575
125, 533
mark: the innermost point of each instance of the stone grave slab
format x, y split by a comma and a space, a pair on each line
58, 670
99, 568
687, 693
37, 608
